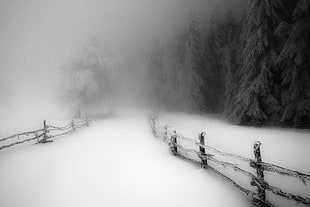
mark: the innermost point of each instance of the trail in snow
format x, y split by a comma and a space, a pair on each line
115, 162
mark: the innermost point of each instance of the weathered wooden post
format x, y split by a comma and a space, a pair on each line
166, 132
202, 150
72, 125
37, 136
174, 142
44, 135
87, 123
257, 164
153, 123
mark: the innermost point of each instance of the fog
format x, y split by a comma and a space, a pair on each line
78, 79
37, 38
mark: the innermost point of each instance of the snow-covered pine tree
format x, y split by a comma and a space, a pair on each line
294, 62
155, 73
194, 63
84, 81
257, 97
220, 45
182, 83
212, 72
231, 61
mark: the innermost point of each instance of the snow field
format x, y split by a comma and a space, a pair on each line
114, 162
288, 148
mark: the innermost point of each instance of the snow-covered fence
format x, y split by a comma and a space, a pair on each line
207, 154
43, 135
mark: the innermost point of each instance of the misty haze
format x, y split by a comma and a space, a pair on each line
154, 103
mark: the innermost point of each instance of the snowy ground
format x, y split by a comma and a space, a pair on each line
117, 162
288, 148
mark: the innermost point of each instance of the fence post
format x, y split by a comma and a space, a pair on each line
87, 123
174, 142
202, 150
166, 132
45, 137
153, 125
72, 125
260, 183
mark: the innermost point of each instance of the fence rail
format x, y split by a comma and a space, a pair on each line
206, 154
43, 135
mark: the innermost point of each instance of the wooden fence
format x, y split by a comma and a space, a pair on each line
43, 135
93, 115
208, 154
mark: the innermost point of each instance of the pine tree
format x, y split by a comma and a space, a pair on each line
294, 61
182, 83
231, 63
212, 72
155, 73
258, 91
220, 45
84, 81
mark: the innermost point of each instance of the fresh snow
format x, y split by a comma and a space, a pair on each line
114, 162
288, 148
117, 162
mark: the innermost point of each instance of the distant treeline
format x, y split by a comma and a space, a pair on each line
254, 70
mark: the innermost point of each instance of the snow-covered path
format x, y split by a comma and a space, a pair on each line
115, 162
